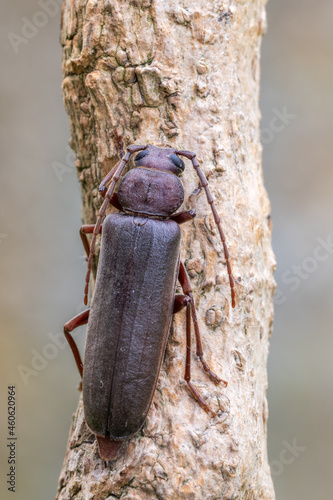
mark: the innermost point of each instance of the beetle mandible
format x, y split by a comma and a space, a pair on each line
134, 296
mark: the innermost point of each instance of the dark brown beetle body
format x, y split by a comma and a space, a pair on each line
129, 322
134, 296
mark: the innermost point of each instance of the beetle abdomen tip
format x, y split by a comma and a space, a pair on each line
108, 448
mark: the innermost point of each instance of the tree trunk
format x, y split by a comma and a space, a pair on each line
184, 74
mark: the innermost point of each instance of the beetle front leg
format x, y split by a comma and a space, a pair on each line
114, 200
102, 187
187, 215
182, 217
120, 146
186, 286
79, 320
115, 174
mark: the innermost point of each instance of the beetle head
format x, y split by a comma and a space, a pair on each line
156, 158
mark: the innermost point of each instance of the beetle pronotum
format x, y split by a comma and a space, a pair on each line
134, 296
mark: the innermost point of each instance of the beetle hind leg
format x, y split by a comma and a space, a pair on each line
185, 283
182, 301
187, 377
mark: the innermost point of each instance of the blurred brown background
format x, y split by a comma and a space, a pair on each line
42, 266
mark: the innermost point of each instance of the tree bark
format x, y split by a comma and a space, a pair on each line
185, 74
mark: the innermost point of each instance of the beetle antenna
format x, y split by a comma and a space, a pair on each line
204, 183
114, 175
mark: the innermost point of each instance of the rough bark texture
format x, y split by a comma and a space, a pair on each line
186, 74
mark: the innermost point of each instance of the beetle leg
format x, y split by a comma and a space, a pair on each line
79, 320
120, 146
84, 230
182, 217
187, 215
114, 201
186, 286
102, 187
182, 301
187, 376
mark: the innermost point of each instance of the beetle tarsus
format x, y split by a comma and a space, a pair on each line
201, 402
217, 380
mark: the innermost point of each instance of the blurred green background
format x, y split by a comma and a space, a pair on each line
42, 264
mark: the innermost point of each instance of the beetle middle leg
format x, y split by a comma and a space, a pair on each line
89, 228
186, 286
79, 320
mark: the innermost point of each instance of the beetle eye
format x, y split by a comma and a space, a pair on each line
177, 161
141, 155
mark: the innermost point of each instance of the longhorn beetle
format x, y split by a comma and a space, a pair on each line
134, 296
